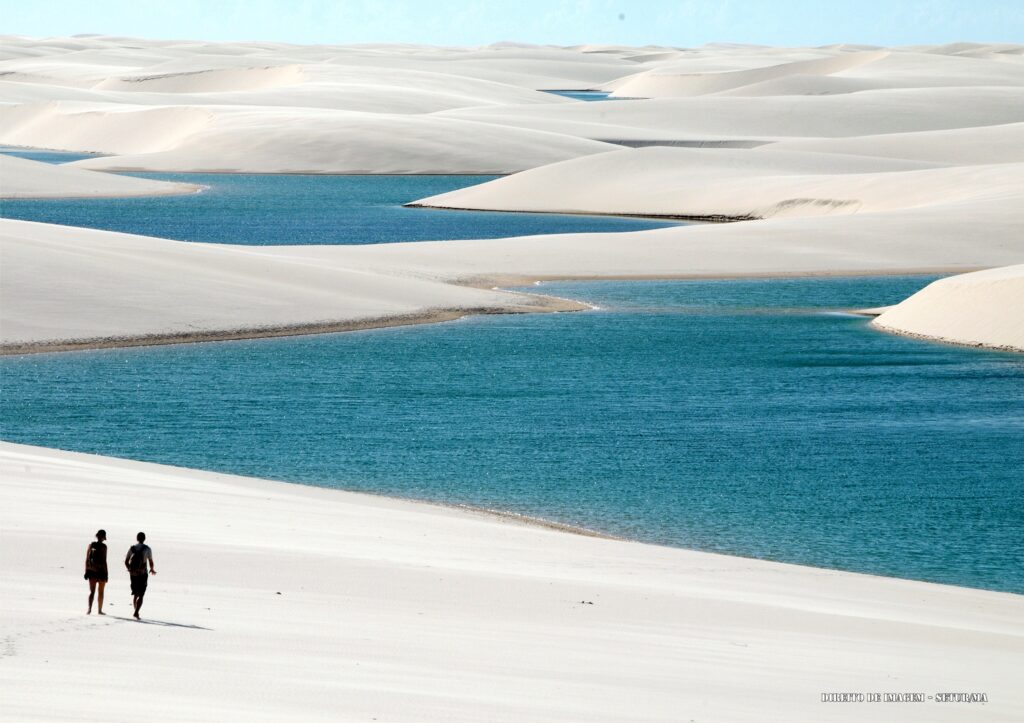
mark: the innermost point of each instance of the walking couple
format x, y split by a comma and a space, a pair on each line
136, 561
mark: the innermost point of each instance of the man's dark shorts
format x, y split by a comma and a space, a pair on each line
139, 583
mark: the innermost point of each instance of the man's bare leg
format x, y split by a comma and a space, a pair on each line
92, 592
137, 602
99, 609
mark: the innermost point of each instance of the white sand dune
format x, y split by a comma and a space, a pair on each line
63, 284
775, 71
268, 107
898, 110
94, 128
735, 183
660, 85
283, 140
321, 141
208, 81
935, 238
22, 178
275, 601
87, 94
958, 146
984, 308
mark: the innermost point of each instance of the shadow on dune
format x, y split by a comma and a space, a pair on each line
160, 622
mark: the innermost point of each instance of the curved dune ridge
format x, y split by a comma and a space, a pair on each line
104, 288
207, 81
652, 84
984, 308
97, 128
742, 184
323, 142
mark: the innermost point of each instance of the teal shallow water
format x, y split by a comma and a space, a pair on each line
735, 416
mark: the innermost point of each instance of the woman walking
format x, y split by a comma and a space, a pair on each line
96, 569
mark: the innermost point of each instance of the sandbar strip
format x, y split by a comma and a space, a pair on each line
545, 305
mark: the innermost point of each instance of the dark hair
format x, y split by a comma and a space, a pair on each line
141, 537
100, 532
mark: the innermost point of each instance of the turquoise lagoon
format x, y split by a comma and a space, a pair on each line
745, 417
306, 209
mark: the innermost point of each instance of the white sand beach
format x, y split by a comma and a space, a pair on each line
276, 602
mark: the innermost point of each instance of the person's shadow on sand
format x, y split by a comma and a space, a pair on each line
159, 622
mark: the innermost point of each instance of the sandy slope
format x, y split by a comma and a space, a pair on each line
60, 283
872, 112
917, 239
276, 601
818, 71
22, 178
328, 141
736, 183
959, 146
985, 308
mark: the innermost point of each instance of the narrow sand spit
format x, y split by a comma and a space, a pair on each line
275, 601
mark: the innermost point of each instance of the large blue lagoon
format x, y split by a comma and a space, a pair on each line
746, 417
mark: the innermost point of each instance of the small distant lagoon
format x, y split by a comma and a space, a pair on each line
45, 156
749, 417
590, 95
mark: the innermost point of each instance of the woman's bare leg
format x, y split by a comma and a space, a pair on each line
92, 592
100, 608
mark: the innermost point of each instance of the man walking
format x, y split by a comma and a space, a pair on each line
138, 557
